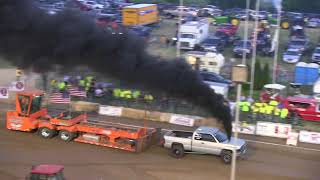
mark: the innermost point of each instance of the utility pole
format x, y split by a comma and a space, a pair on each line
179, 25
239, 91
276, 47
254, 51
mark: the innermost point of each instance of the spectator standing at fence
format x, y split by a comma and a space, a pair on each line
255, 110
116, 92
262, 111
136, 94
283, 114
92, 87
167, 42
245, 109
62, 87
269, 111
54, 85
163, 40
82, 84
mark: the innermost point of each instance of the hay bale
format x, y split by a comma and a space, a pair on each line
165, 117
133, 113
85, 106
153, 115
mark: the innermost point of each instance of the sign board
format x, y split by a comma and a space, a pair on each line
17, 86
309, 137
244, 128
292, 139
110, 111
18, 72
273, 129
4, 93
181, 120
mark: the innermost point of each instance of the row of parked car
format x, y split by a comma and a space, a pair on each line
298, 46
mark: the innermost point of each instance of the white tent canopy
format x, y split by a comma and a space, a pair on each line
274, 86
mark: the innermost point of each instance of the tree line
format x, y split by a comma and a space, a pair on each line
288, 5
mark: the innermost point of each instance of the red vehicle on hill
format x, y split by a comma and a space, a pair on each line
228, 29
306, 108
30, 116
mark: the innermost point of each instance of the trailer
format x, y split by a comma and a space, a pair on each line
29, 116
140, 14
193, 33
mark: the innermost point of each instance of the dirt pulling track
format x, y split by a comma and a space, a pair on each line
19, 151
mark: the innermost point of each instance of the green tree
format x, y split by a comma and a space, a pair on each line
258, 76
266, 75
301, 6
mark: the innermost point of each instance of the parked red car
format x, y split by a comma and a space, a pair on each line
307, 108
228, 29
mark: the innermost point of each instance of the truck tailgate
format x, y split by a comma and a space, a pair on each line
170, 139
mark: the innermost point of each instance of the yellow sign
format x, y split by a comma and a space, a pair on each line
18, 72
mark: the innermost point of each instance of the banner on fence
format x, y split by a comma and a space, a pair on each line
244, 128
17, 86
309, 137
292, 138
110, 110
181, 120
273, 129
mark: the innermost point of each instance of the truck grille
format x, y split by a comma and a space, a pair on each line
184, 44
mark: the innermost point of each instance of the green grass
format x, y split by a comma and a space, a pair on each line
168, 29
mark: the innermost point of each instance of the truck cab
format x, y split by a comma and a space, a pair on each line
204, 140
193, 33
28, 108
46, 172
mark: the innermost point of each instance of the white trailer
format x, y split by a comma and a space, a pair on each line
192, 33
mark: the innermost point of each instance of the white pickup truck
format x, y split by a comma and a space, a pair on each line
204, 140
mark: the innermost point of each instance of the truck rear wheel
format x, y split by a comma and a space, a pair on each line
226, 156
46, 132
66, 135
177, 151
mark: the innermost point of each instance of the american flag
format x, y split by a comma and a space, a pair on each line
76, 92
59, 98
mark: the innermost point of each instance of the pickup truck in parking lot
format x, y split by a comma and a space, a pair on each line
204, 140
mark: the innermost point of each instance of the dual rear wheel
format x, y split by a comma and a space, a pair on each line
63, 134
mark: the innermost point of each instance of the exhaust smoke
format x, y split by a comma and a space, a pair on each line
32, 39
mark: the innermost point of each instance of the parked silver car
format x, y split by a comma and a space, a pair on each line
292, 56
316, 55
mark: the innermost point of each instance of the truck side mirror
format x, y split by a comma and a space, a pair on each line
197, 136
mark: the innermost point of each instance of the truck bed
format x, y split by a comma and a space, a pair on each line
182, 134
180, 137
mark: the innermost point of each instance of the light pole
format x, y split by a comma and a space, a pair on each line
179, 25
276, 47
254, 51
239, 89
246, 27
239, 76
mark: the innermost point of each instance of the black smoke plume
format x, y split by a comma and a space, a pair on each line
31, 38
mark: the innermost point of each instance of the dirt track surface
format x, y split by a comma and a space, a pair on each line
19, 151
